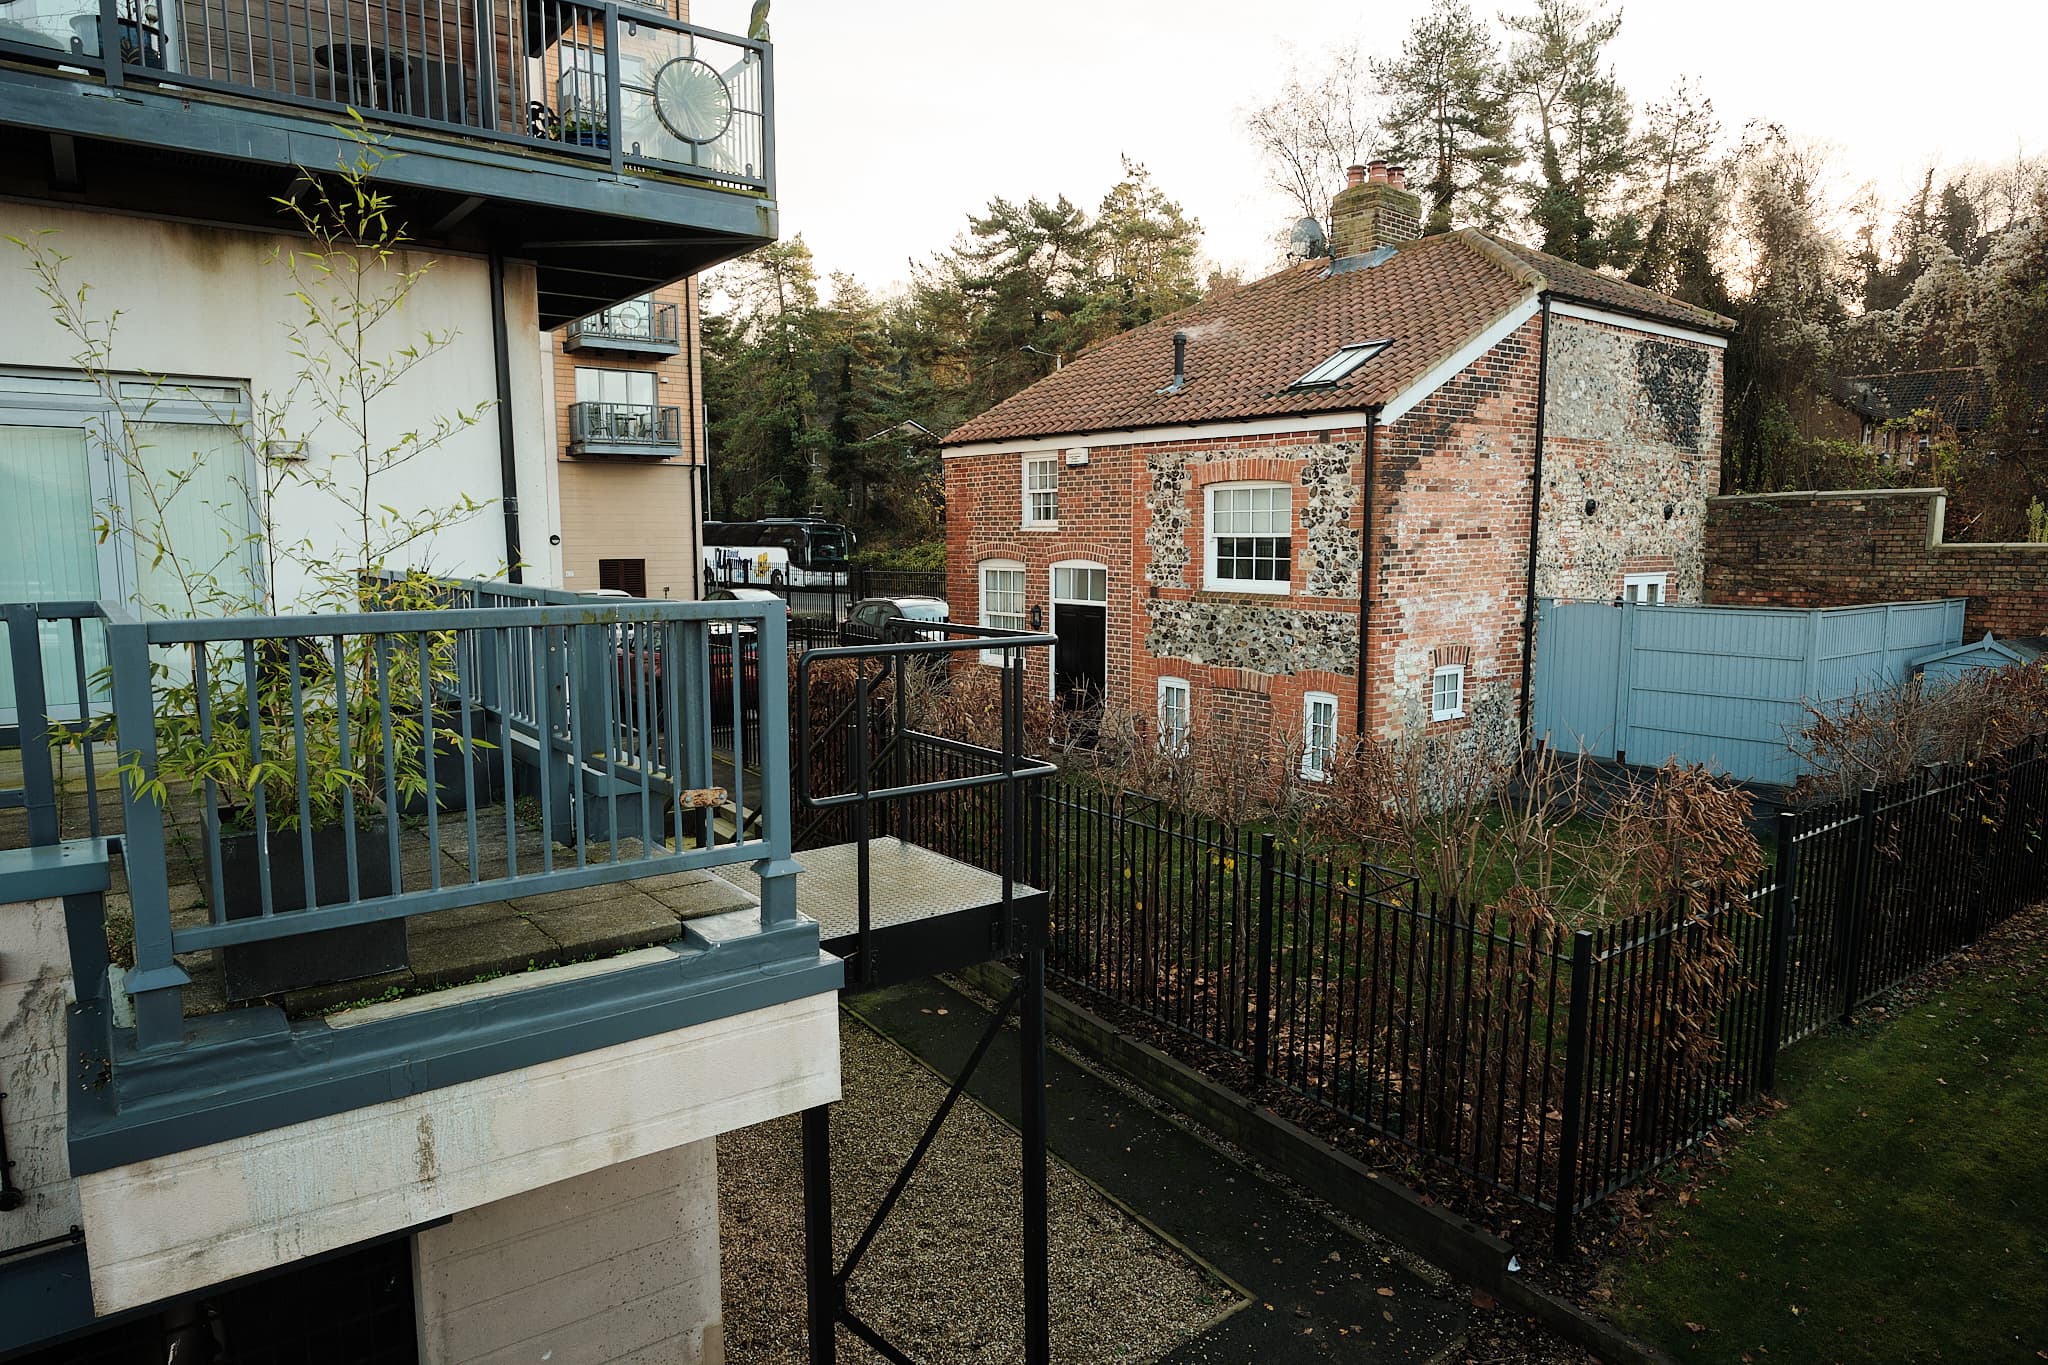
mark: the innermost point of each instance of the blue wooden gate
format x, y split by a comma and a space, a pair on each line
1723, 686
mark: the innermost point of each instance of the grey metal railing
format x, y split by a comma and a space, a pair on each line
625, 424
40, 716
619, 85
884, 671
600, 710
642, 321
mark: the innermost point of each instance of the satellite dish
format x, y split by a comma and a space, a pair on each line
1307, 242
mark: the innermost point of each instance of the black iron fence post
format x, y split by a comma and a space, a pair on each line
1262, 987
1784, 920
1577, 1045
1855, 918
823, 1293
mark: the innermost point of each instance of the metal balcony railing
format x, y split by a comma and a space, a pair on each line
633, 87
344, 771
638, 325
624, 429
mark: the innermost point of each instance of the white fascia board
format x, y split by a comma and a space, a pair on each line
1145, 436
1454, 364
1635, 324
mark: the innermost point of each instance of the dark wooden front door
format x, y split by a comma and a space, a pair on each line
1080, 661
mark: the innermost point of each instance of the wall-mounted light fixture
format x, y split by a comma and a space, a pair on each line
1037, 617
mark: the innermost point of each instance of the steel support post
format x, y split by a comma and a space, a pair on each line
822, 1290
1035, 1121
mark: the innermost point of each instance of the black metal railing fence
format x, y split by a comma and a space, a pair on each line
1558, 1067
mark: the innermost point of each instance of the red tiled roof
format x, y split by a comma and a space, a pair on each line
1245, 348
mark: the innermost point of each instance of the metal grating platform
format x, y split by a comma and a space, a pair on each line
907, 883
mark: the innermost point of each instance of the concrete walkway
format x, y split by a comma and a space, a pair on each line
1319, 1292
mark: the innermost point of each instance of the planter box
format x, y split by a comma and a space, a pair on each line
253, 970
486, 765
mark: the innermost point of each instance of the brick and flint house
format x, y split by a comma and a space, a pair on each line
1184, 505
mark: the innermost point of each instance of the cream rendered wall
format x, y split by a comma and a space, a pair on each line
209, 302
174, 1224
35, 993
617, 1265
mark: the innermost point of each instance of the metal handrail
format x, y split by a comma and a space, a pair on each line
463, 71
35, 725
625, 423
1016, 770
608, 699
656, 322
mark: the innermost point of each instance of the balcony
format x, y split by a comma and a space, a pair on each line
636, 327
543, 127
625, 429
373, 918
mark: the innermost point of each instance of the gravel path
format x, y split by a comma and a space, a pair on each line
943, 1279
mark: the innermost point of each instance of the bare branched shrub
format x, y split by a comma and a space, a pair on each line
1880, 737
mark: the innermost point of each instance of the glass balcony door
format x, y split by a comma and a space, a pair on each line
47, 500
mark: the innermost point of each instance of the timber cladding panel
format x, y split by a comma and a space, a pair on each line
635, 508
1827, 549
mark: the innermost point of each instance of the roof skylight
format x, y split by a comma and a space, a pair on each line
1343, 362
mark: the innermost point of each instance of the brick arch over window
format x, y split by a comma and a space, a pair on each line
1248, 469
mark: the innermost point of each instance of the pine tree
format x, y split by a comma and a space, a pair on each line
1450, 118
1577, 123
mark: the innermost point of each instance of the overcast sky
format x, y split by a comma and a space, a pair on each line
897, 119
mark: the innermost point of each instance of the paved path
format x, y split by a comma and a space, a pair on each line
1319, 1293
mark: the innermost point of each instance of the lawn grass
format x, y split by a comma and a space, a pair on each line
1896, 1210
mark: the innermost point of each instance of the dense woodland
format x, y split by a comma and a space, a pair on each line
824, 396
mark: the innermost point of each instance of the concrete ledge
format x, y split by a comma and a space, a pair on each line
1830, 495
1454, 1244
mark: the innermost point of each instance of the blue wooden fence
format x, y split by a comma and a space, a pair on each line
1723, 686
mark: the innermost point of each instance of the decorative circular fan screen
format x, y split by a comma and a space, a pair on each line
691, 100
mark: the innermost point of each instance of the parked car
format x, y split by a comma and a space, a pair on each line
869, 623
746, 595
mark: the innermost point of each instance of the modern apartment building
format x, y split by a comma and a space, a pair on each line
491, 1138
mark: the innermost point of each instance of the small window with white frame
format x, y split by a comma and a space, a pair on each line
1176, 716
1447, 692
1318, 735
1042, 490
1644, 589
1249, 534
1002, 602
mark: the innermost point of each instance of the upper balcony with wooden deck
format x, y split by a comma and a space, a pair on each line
617, 146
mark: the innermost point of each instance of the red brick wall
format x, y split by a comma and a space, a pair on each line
1451, 540
1871, 545
1451, 537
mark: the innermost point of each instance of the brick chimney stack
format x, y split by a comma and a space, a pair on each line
1374, 209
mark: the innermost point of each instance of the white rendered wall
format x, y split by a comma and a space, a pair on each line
35, 992
617, 1265
213, 303
178, 1223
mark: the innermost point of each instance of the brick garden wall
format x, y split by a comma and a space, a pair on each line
1838, 549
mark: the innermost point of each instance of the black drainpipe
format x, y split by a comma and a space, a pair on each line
1365, 574
508, 464
1535, 515
701, 458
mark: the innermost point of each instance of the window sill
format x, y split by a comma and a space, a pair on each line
1436, 716
1254, 589
1040, 526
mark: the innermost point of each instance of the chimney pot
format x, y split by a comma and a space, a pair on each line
1379, 172
1397, 176
1354, 175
